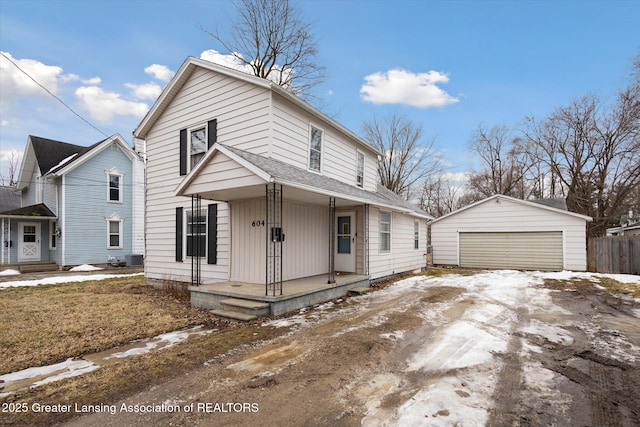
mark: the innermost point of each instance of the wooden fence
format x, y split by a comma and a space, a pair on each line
620, 254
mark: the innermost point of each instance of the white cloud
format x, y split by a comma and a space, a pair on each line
145, 91
15, 83
76, 78
159, 72
399, 86
456, 176
104, 105
231, 61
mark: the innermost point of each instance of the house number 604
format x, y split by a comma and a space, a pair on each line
257, 223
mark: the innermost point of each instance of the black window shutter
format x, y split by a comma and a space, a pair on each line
183, 152
179, 217
212, 132
212, 234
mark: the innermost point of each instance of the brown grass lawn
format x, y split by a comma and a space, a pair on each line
42, 325
47, 324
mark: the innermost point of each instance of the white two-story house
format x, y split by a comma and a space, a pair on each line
247, 183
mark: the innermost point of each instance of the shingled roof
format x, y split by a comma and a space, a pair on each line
285, 172
50, 153
39, 210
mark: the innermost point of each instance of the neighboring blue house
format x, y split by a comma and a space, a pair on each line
79, 205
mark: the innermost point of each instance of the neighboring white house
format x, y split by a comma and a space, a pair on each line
504, 232
248, 183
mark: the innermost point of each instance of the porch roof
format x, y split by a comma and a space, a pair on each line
301, 184
34, 211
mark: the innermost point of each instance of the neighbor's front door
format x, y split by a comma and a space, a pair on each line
28, 241
345, 242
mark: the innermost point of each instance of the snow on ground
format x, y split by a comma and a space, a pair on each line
464, 355
56, 280
73, 367
86, 267
9, 272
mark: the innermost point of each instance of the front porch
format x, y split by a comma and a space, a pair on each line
250, 298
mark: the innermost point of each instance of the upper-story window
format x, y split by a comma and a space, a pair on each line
194, 143
315, 149
197, 145
114, 186
360, 169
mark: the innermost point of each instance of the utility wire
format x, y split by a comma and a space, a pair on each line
49, 92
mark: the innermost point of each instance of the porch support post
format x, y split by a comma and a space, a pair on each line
332, 241
196, 232
274, 238
3, 240
366, 239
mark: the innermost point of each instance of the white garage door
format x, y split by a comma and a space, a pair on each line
515, 250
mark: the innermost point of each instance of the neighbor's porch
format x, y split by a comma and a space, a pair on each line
246, 301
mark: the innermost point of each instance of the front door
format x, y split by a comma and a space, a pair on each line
345, 242
28, 241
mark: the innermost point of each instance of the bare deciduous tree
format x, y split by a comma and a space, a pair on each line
503, 166
594, 151
438, 196
12, 158
271, 37
407, 158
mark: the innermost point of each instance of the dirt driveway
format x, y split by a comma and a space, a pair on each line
496, 348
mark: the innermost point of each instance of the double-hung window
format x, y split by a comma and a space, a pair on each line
315, 149
197, 145
196, 232
115, 187
385, 231
416, 234
114, 232
360, 169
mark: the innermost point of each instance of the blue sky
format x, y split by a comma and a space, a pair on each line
447, 65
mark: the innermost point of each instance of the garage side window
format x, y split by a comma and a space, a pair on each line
385, 231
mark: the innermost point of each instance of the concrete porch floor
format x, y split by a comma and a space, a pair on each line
296, 293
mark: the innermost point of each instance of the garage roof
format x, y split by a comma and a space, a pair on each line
536, 205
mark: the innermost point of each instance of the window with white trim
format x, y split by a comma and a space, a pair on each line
114, 189
114, 233
53, 234
416, 234
196, 233
197, 145
359, 168
315, 149
385, 231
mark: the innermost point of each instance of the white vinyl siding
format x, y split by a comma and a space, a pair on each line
402, 257
304, 251
537, 250
291, 138
242, 113
509, 216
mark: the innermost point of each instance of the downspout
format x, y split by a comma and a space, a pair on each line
62, 219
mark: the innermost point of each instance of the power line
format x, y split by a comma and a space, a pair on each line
49, 92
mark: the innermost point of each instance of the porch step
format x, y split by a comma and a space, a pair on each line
245, 306
360, 290
38, 267
235, 315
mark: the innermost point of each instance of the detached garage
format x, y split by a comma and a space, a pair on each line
504, 232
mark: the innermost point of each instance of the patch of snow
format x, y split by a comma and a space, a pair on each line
68, 368
161, 341
63, 279
63, 161
568, 275
549, 332
395, 335
9, 272
85, 267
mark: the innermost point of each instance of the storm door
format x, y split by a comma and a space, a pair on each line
345, 242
